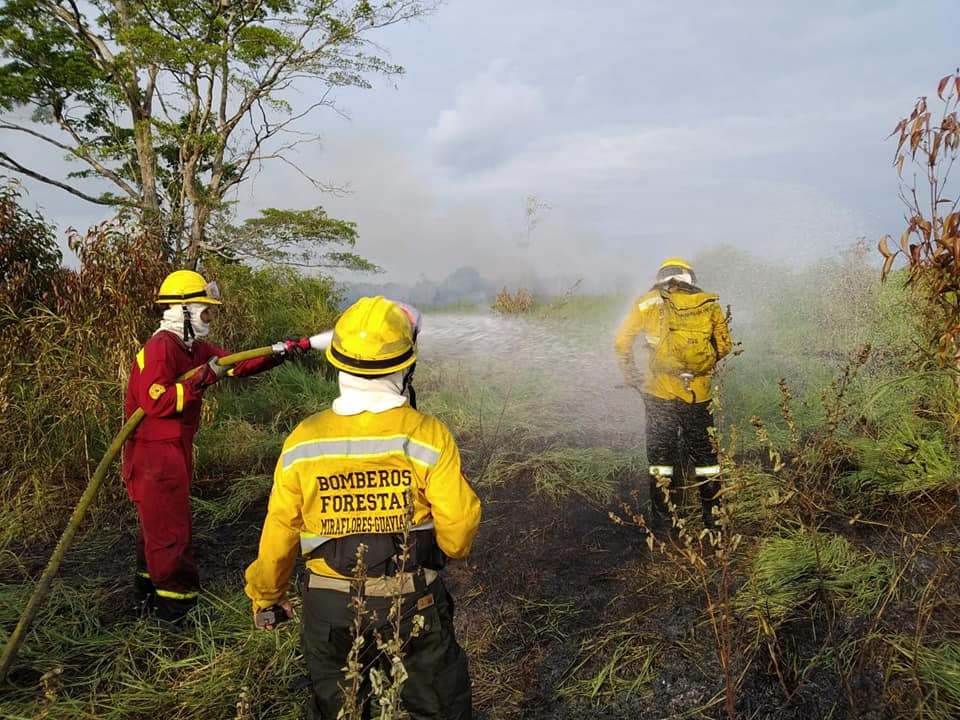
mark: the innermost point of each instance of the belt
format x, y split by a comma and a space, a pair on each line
386, 586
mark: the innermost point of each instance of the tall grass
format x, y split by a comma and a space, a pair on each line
832, 469
94, 667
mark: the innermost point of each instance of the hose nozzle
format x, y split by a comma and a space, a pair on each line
314, 342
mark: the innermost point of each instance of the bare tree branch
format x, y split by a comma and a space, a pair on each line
11, 164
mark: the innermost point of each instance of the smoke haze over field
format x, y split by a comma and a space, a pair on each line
648, 129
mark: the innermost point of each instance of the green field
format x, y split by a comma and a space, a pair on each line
831, 589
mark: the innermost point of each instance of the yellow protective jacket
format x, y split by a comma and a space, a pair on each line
646, 319
341, 475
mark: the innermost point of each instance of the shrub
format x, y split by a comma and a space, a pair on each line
29, 257
517, 303
264, 305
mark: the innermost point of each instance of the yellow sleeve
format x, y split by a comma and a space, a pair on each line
721, 333
268, 576
454, 505
624, 341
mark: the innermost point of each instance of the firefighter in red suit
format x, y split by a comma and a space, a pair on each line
158, 456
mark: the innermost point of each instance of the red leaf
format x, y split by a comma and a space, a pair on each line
887, 264
942, 84
882, 247
903, 242
951, 223
937, 137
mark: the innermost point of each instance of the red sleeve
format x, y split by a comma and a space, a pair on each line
241, 369
158, 392
254, 366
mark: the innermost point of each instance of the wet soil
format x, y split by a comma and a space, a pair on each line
566, 615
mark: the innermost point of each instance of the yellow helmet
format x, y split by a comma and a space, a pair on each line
183, 286
373, 336
675, 262
676, 268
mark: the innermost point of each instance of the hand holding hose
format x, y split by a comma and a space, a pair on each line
211, 372
269, 618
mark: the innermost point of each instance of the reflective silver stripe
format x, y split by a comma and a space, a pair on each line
707, 470
661, 470
649, 301
385, 586
309, 543
362, 447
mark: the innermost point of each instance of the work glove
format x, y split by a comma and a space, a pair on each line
270, 617
211, 372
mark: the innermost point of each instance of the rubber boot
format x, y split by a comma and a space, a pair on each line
143, 588
710, 503
659, 514
711, 520
143, 594
172, 611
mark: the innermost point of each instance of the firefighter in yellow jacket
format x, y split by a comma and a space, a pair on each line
683, 333
347, 476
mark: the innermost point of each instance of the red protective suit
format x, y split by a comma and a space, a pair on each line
158, 463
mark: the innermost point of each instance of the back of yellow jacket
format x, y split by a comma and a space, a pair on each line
645, 321
341, 475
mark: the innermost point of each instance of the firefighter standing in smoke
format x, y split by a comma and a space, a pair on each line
345, 476
158, 456
684, 334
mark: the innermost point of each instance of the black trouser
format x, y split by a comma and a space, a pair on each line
664, 420
438, 684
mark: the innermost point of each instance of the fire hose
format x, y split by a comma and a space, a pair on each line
316, 342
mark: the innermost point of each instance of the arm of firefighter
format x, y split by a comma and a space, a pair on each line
721, 333
245, 367
453, 503
625, 340
158, 392
269, 575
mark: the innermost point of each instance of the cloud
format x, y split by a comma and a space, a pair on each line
753, 123
494, 114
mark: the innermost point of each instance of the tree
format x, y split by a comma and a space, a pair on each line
29, 256
930, 244
533, 208
293, 237
175, 102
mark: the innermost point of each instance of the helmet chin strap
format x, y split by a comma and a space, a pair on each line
407, 387
188, 334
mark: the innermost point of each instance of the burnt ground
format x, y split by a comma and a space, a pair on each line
564, 614
561, 610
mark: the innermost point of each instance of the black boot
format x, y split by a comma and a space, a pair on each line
711, 510
658, 506
172, 611
710, 502
143, 588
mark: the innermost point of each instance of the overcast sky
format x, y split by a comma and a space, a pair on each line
650, 128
